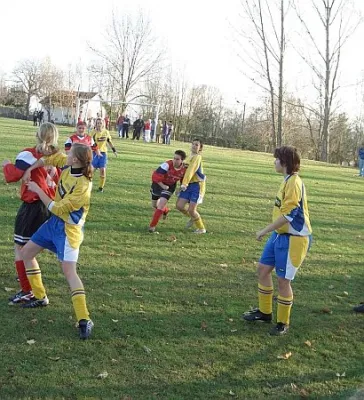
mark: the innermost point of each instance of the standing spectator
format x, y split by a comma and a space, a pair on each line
138, 127
107, 122
119, 125
361, 160
126, 124
35, 117
147, 127
152, 130
169, 132
164, 132
40, 117
158, 133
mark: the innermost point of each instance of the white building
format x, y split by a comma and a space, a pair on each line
61, 106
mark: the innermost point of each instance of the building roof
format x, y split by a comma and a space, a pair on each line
66, 98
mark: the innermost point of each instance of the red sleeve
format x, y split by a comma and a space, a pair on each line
157, 177
12, 173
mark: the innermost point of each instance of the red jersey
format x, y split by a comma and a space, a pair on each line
167, 174
86, 139
147, 125
14, 172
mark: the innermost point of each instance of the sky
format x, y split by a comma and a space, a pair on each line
197, 34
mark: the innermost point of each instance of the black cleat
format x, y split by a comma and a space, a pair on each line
21, 297
279, 329
359, 308
85, 328
101, 190
36, 303
257, 315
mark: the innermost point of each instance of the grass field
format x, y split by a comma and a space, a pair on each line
167, 312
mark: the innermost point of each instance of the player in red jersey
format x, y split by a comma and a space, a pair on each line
32, 213
80, 137
164, 180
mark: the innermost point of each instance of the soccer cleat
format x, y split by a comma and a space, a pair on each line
36, 303
21, 297
189, 224
359, 308
151, 229
257, 316
199, 231
85, 328
279, 329
101, 190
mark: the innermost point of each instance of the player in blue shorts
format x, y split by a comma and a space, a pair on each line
63, 232
193, 188
287, 246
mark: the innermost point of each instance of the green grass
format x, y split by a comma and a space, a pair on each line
161, 291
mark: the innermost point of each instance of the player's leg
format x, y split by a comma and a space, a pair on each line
290, 251
181, 204
265, 284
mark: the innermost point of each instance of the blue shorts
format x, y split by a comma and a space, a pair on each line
52, 236
286, 253
192, 193
99, 161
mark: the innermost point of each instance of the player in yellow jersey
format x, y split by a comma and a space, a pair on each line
288, 245
63, 232
102, 139
193, 188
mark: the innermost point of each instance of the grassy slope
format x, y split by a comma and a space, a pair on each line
161, 291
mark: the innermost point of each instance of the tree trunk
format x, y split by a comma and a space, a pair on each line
280, 89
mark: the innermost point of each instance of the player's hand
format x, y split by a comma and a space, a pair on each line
33, 187
183, 188
115, 154
26, 176
6, 162
260, 235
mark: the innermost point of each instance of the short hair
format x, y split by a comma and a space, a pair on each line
81, 123
289, 158
181, 153
200, 141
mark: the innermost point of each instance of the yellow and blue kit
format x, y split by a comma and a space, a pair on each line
194, 179
287, 247
63, 232
101, 139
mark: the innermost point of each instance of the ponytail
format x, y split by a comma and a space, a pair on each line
47, 138
83, 154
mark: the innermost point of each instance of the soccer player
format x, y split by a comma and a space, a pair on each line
193, 188
102, 139
287, 246
63, 232
80, 137
164, 180
32, 213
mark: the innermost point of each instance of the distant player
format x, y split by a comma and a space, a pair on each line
80, 137
193, 188
102, 139
287, 246
164, 180
32, 213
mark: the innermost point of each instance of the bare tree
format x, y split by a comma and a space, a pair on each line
266, 35
129, 56
28, 74
325, 66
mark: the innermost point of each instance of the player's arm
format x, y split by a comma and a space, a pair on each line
56, 160
291, 202
191, 170
278, 223
110, 144
95, 147
14, 172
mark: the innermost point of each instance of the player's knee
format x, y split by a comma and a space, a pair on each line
263, 271
283, 283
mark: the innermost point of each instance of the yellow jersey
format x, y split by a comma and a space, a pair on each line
291, 203
194, 172
101, 139
72, 200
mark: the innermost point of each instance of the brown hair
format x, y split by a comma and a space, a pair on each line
83, 154
47, 137
200, 141
289, 158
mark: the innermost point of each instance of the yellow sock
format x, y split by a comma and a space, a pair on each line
198, 223
284, 309
35, 278
102, 181
265, 295
79, 304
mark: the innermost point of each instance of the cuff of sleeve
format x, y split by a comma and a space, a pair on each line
50, 205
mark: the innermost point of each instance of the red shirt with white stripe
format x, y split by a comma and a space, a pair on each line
14, 172
167, 174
